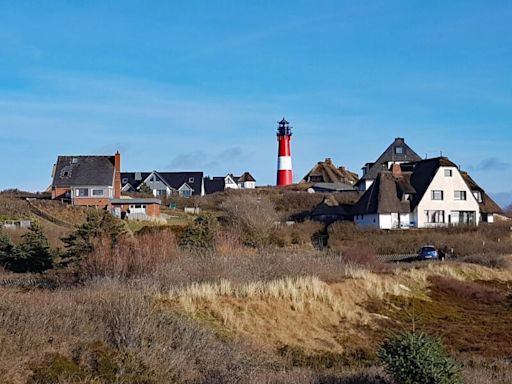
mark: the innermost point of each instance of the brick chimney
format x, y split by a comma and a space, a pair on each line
396, 169
117, 176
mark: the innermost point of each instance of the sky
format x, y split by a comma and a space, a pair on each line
197, 85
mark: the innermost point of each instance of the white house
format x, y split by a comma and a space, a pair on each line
431, 193
246, 181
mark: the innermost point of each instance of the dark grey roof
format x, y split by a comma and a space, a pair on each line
135, 179
177, 179
407, 155
332, 187
72, 171
136, 201
217, 184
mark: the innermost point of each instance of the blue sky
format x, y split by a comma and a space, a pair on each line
196, 85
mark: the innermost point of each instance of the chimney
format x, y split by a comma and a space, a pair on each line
396, 169
117, 176
328, 161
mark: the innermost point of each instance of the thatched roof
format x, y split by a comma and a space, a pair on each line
487, 205
386, 195
326, 172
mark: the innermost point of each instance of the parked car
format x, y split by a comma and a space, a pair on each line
430, 252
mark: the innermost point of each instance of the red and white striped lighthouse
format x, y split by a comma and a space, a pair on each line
284, 160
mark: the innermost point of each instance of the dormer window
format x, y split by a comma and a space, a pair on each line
125, 181
478, 196
399, 150
406, 197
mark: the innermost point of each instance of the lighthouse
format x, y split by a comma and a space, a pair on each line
284, 160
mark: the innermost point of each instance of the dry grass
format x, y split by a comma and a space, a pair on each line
298, 291
483, 240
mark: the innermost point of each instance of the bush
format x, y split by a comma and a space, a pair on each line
98, 224
32, 255
201, 234
491, 261
417, 358
254, 217
131, 257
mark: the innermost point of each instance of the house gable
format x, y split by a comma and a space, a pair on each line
445, 196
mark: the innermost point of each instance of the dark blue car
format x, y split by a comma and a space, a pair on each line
428, 252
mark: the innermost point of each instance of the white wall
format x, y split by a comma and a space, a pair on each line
448, 185
248, 185
382, 221
230, 183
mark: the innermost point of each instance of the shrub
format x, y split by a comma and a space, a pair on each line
417, 358
201, 234
98, 224
94, 363
255, 218
32, 255
131, 257
491, 261
362, 255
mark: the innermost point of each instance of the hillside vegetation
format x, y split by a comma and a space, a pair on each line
230, 296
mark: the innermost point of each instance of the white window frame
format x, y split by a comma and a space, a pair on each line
460, 195
434, 194
435, 216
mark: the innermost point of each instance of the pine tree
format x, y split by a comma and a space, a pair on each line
6, 249
98, 225
32, 255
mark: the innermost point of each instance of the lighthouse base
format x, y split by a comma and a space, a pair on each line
284, 178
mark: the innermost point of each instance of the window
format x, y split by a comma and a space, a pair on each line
448, 173
399, 150
125, 180
406, 197
82, 192
186, 193
460, 195
478, 196
190, 179
434, 217
437, 195
65, 173
98, 192
162, 192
